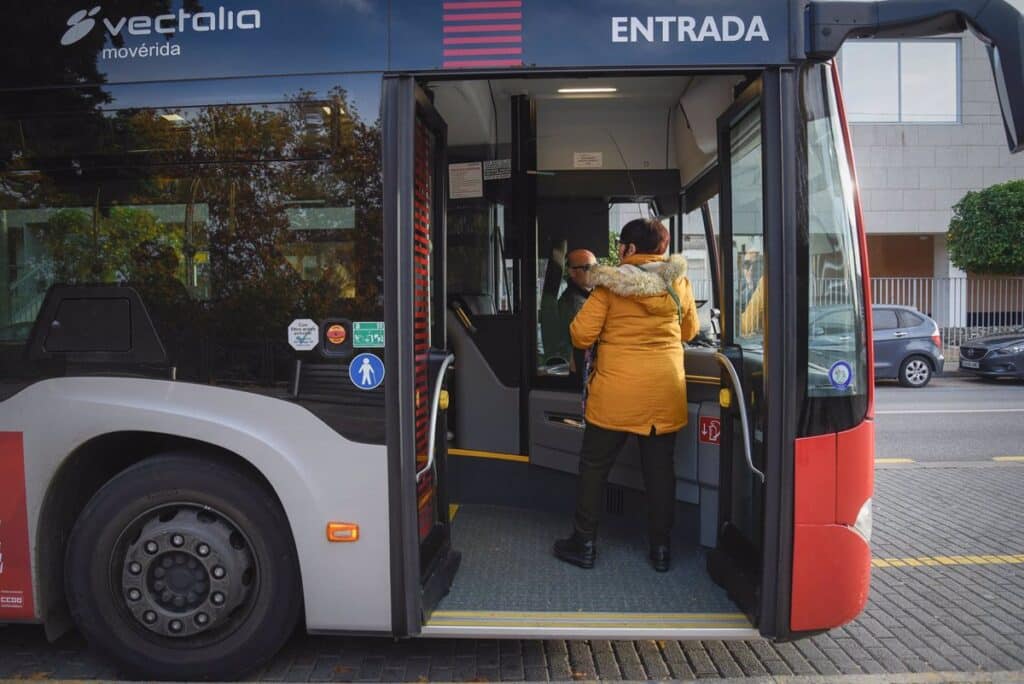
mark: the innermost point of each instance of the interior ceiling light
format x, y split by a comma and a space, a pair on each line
585, 91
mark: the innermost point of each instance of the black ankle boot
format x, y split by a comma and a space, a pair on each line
577, 549
661, 558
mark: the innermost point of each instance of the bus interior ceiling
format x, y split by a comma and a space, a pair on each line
512, 480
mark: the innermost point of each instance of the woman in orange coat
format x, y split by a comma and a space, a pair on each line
638, 315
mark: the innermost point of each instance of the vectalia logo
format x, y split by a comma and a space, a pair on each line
81, 23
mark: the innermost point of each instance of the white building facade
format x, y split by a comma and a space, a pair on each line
926, 130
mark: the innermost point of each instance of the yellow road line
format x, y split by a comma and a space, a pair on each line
923, 561
489, 454
1009, 459
885, 461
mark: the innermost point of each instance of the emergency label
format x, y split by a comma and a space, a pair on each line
15, 559
710, 430
368, 334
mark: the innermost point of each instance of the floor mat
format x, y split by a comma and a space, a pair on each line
507, 566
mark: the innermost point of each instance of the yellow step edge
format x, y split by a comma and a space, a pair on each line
516, 458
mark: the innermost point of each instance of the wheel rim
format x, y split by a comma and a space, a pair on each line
916, 372
184, 570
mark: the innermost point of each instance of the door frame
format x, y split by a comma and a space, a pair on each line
776, 91
402, 103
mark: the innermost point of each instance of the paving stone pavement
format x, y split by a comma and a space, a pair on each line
966, 619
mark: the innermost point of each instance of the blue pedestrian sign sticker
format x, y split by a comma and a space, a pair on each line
840, 375
366, 371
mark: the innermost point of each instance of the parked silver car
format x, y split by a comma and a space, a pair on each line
908, 346
907, 343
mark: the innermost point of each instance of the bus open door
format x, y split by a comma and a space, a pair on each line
422, 560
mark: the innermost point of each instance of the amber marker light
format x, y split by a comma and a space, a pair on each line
342, 532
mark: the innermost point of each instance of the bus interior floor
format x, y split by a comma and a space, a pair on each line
507, 565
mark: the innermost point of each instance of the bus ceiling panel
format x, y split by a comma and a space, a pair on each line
999, 23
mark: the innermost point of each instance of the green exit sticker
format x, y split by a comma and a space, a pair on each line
367, 334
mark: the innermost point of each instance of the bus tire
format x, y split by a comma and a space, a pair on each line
915, 371
184, 568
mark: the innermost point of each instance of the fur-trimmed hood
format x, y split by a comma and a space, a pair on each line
640, 280
648, 282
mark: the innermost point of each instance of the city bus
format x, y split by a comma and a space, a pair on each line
274, 351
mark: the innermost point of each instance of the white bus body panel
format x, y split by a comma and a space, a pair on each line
318, 475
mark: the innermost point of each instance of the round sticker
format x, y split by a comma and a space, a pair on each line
840, 374
336, 334
366, 371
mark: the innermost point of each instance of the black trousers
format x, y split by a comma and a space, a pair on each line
597, 456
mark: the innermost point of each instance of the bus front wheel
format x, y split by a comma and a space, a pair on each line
184, 568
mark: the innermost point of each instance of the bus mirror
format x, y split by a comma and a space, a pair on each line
716, 321
998, 23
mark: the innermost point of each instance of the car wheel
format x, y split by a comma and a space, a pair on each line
915, 372
184, 568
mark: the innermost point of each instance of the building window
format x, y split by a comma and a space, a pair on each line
906, 81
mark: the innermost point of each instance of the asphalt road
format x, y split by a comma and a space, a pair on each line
954, 418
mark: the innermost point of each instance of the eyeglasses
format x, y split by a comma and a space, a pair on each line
584, 267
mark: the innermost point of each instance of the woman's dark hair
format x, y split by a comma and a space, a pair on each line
649, 236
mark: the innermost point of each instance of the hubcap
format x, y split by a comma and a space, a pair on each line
186, 572
917, 372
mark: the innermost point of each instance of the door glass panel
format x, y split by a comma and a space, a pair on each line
837, 365
748, 231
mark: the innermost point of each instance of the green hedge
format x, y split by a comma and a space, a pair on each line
986, 234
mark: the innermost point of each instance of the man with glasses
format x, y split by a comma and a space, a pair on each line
557, 311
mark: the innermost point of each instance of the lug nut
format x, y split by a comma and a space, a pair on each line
167, 597
134, 594
159, 586
202, 619
134, 568
151, 547
203, 550
177, 540
175, 625
193, 598
217, 598
167, 562
179, 559
149, 616
218, 573
159, 573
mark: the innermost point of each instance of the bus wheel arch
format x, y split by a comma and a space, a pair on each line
185, 569
79, 476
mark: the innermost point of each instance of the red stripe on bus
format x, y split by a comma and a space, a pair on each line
485, 16
493, 4
470, 40
469, 64
16, 600
484, 28
471, 52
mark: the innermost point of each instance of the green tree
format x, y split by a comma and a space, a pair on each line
986, 234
